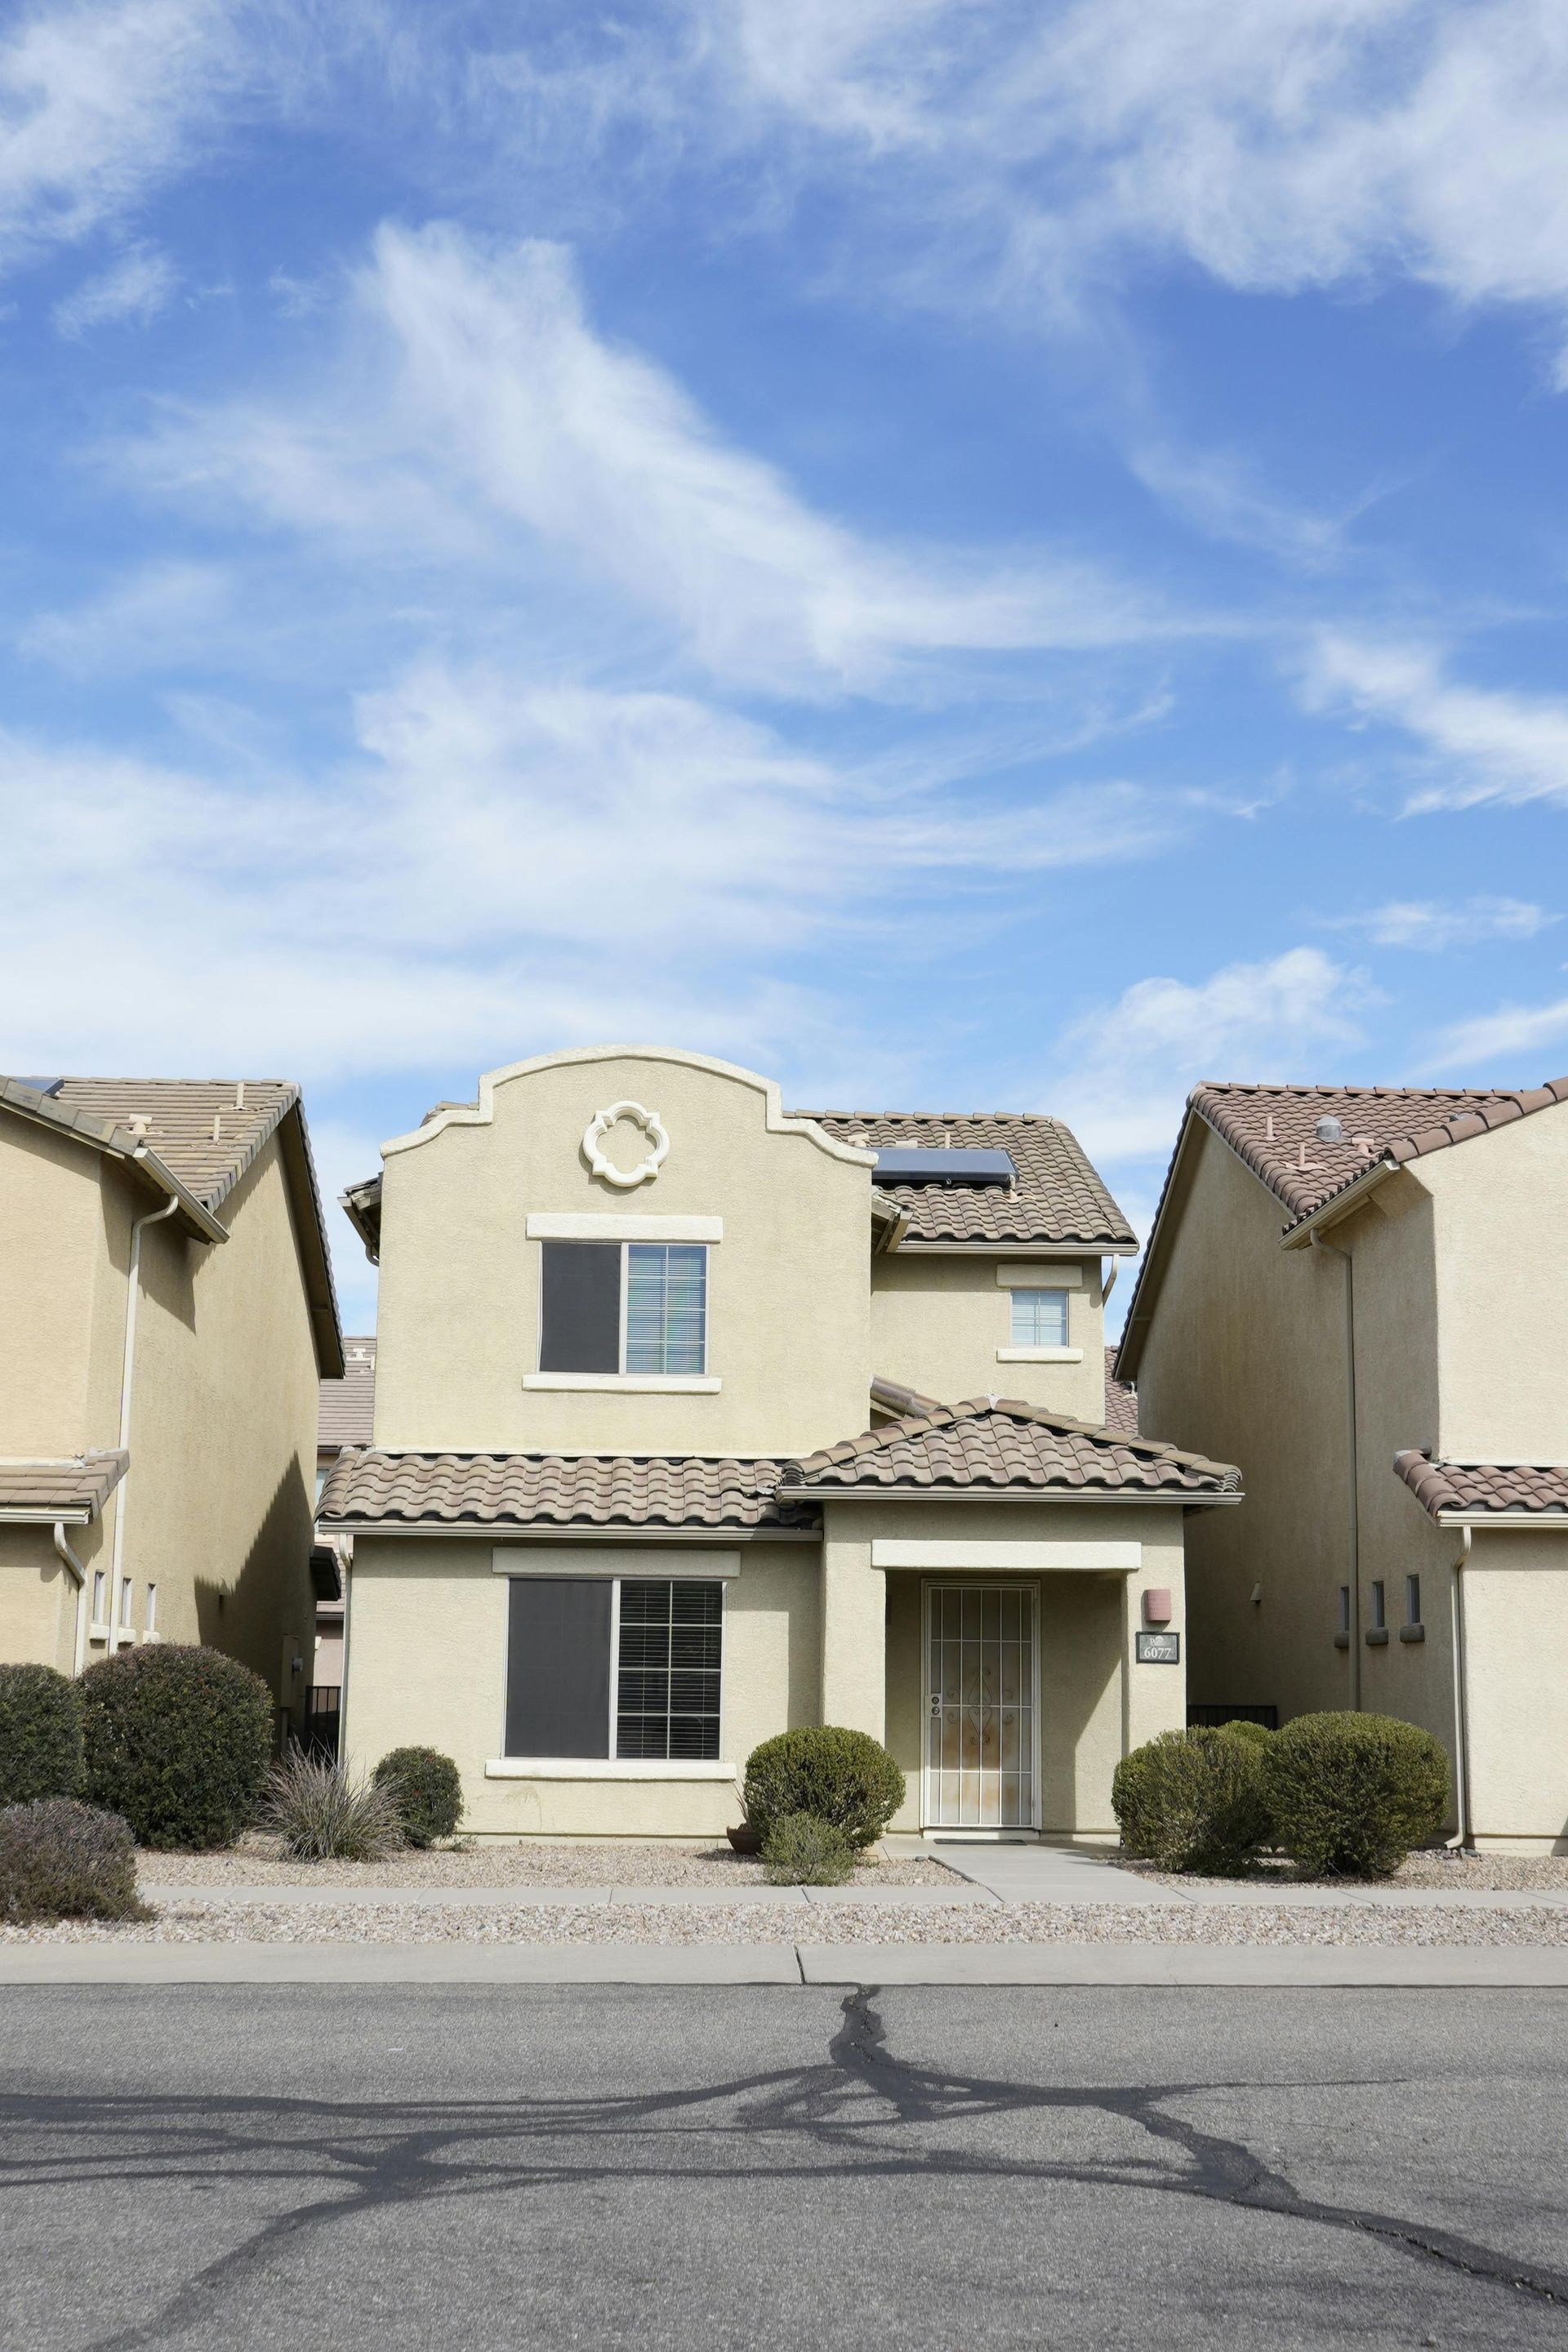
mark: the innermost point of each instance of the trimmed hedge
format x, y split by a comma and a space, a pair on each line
1350, 1794
1192, 1800
1256, 1734
801, 1849
843, 1777
427, 1790
179, 1741
61, 1860
40, 1735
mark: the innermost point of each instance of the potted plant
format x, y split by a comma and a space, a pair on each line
745, 1837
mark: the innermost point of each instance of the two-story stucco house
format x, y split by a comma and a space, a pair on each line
167, 1308
1359, 1295
658, 1468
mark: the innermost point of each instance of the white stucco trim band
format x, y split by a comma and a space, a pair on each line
1547, 1522
629, 1560
1016, 1249
44, 1515
1037, 1274
892, 1551
1180, 1498
602, 1767
627, 1383
446, 1530
590, 1226
1039, 1354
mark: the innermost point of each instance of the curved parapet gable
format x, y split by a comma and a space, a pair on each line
482, 1112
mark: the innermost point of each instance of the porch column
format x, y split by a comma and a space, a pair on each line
1153, 1697
854, 1631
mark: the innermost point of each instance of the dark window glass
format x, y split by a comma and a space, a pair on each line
671, 1641
580, 1322
1413, 1601
558, 1667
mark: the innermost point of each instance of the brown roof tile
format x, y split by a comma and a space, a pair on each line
1120, 1400
1058, 1198
504, 1490
1013, 1447
1467, 1489
75, 1489
347, 1410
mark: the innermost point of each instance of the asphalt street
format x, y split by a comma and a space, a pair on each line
470, 2167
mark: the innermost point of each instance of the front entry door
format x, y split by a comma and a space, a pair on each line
980, 1706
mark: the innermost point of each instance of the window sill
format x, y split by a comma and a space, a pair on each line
602, 1767
1413, 1632
1342, 1640
1039, 1354
1377, 1637
627, 1383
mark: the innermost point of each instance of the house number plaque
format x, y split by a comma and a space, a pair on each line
1158, 1649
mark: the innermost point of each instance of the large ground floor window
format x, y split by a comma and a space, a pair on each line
621, 1667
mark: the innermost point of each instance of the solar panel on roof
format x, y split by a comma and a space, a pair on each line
906, 1166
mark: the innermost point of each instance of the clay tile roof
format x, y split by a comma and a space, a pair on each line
1447, 1490
1120, 1400
1003, 1444
75, 1489
1058, 1197
502, 1490
347, 1408
1272, 1128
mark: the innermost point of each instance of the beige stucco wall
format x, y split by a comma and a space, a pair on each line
788, 1293
426, 1664
938, 1322
1502, 1291
61, 1293
38, 1593
1095, 1701
1516, 1637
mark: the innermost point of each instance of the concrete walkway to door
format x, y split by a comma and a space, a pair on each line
1035, 1874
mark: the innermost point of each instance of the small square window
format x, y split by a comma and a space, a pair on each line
1039, 1319
1413, 1601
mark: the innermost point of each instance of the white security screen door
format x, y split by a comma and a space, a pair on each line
980, 1706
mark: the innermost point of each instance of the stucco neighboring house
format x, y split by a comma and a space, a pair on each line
345, 1418
167, 1304
697, 1419
1359, 1295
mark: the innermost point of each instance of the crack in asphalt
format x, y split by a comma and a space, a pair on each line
375, 2155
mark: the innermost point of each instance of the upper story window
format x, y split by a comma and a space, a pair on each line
1039, 1319
624, 1307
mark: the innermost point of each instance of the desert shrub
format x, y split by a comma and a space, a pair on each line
1350, 1794
40, 1735
179, 1741
1192, 1800
802, 1850
62, 1859
843, 1777
326, 1815
428, 1791
1256, 1734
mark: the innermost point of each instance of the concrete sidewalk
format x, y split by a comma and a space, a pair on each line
317, 1893
1046, 1874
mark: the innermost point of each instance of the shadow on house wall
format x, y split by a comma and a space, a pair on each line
270, 1601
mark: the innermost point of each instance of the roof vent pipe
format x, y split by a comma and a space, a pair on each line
1330, 1130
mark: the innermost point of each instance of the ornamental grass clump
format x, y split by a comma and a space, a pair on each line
846, 1778
1192, 1800
1350, 1794
323, 1814
178, 1740
62, 1859
40, 1735
428, 1790
802, 1850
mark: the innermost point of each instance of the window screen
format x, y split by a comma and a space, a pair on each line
558, 1667
667, 1696
1039, 1319
580, 1319
667, 1308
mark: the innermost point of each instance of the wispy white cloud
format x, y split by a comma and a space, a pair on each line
475, 401
1123, 1070
1492, 1044
1224, 495
152, 617
131, 291
1481, 743
1439, 925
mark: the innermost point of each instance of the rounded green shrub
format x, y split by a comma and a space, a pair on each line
801, 1849
1192, 1800
1350, 1794
843, 1777
428, 1790
40, 1735
62, 1859
179, 1741
1256, 1734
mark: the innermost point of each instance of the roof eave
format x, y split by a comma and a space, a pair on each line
1169, 1496
1545, 1521
1342, 1204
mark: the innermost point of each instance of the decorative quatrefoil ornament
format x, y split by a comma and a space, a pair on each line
652, 1126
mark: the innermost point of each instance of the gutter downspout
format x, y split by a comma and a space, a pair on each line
1465, 1836
133, 1278
1106, 1288
80, 1572
1354, 1528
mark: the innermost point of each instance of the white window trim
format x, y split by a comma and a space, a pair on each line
623, 1382
612, 1768
587, 1226
1039, 1354
628, 1384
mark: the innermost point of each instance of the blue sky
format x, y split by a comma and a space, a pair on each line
965, 555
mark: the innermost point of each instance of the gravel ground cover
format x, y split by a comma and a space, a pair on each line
193, 1921
258, 1860
1467, 1873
